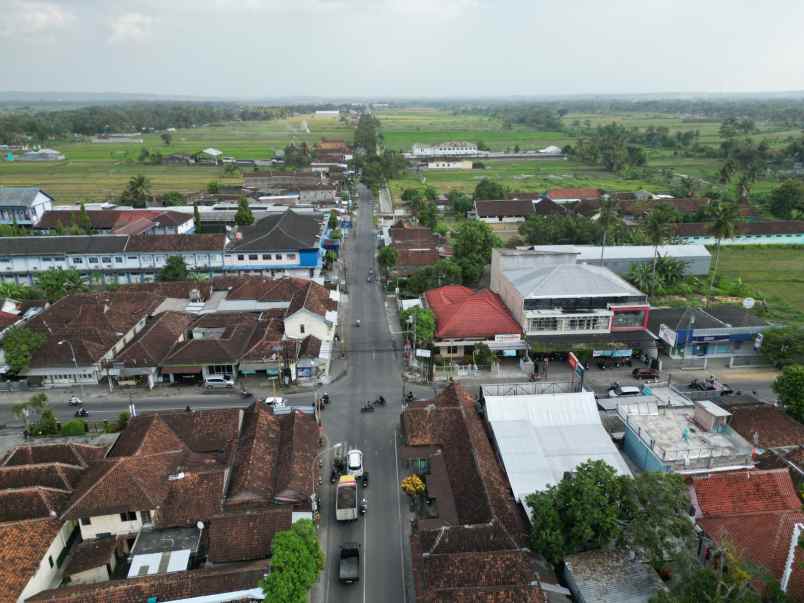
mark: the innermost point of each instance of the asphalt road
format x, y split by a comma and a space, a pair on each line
374, 369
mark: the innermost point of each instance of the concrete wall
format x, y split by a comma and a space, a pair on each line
640, 454
47, 573
94, 575
313, 325
111, 524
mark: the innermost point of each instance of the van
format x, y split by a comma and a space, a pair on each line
218, 382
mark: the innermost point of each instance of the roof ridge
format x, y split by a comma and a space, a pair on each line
114, 462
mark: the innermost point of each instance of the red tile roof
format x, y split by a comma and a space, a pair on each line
574, 193
89, 555
23, 545
246, 536
739, 492
463, 313
772, 426
505, 208
176, 242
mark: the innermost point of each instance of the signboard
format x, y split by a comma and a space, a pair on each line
421, 353
579, 370
506, 338
624, 353
667, 335
509, 353
572, 359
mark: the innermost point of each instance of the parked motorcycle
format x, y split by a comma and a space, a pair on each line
74, 401
245, 394
380, 401
363, 506
333, 476
82, 412
367, 407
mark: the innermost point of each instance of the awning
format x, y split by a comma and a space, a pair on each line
566, 343
168, 370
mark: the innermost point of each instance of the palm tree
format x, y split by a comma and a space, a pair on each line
608, 215
724, 215
658, 228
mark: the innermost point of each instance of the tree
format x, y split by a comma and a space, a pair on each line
174, 269
172, 199
443, 272
138, 192
35, 405
84, 221
482, 355
789, 386
608, 216
783, 345
658, 228
296, 561
333, 220
472, 244
413, 485
427, 214
593, 507
746, 160
787, 200
424, 321
441, 229
244, 217
197, 219
387, 258
460, 203
724, 217
58, 282
580, 513
489, 190
167, 138
213, 187
330, 257
231, 169
297, 156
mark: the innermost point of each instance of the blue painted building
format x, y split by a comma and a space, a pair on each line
289, 244
781, 232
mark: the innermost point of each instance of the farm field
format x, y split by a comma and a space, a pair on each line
100, 171
774, 272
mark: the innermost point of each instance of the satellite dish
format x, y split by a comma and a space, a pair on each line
748, 303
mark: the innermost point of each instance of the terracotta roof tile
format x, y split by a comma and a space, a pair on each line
156, 340
57, 476
176, 585
773, 427
574, 193
195, 497
23, 545
178, 242
462, 313
69, 454
246, 536
89, 555
31, 503
739, 492
504, 208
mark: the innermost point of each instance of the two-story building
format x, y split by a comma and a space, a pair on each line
558, 301
23, 206
444, 149
118, 221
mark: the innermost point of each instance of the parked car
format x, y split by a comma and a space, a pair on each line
218, 382
618, 391
711, 385
271, 400
645, 373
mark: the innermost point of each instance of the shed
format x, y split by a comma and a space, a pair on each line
611, 577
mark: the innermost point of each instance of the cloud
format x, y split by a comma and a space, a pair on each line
31, 18
130, 27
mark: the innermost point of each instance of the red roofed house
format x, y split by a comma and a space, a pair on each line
563, 196
758, 514
465, 318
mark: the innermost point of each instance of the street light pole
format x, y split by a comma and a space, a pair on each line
75, 364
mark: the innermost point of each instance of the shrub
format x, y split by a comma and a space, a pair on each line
74, 428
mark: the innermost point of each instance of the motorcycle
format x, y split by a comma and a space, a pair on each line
363, 506
409, 397
357, 322
380, 401
82, 412
245, 394
74, 401
367, 407
333, 476
364, 479
325, 398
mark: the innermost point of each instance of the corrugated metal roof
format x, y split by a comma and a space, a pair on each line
540, 437
569, 280
627, 252
19, 195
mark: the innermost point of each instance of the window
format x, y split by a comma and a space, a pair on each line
544, 324
253, 256
452, 350
301, 329
5, 260
118, 259
128, 516
266, 256
106, 260
86, 521
133, 258
50, 560
47, 259
145, 516
241, 257
277, 256
78, 261
93, 260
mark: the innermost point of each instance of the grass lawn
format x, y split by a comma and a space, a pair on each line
777, 273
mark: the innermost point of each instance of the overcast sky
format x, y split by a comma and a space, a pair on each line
433, 48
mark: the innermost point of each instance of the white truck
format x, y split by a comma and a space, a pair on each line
346, 498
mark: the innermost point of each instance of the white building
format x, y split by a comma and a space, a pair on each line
445, 149
541, 436
23, 205
443, 163
42, 155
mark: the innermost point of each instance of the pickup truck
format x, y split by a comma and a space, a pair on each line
349, 564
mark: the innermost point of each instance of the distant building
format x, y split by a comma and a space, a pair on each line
327, 113
449, 164
119, 221
42, 155
23, 206
503, 211
210, 156
573, 195
780, 232
445, 149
